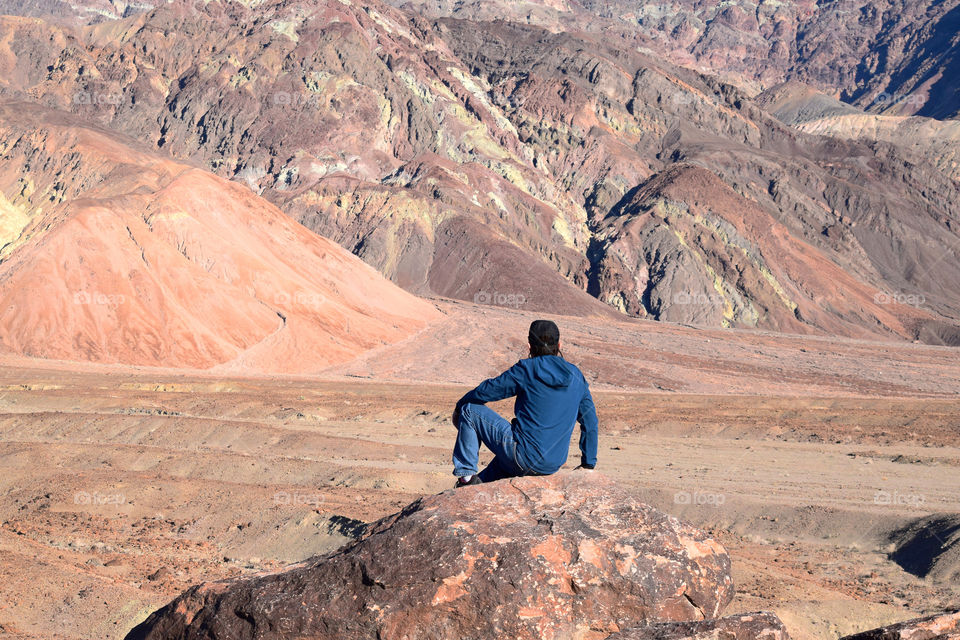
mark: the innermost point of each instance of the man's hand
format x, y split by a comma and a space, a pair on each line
455, 418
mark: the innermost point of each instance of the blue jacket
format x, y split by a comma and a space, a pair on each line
552, 395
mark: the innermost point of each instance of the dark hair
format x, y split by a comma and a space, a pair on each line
544, 338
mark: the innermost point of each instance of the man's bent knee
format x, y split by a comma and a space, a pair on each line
468, 411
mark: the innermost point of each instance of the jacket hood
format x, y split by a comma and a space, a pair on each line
551, 370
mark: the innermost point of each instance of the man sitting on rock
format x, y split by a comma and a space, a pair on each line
552, 395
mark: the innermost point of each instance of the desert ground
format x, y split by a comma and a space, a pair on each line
122, 486
251, 253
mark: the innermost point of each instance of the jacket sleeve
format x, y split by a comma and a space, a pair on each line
589, 429
503, 386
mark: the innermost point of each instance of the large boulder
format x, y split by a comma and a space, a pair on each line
569, 556
761, 625
944, 626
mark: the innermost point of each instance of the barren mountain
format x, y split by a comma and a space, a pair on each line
76, 12
112, 253
285, 110
811, 111
490, 162
688, 227
893, 56
865, 206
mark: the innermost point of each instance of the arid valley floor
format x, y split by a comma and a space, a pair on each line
123, 486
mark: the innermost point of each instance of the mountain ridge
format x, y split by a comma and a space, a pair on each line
394, 135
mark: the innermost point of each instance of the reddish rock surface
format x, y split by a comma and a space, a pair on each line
761, 625
572, 555
885, 56
937, 627
120, 255
686, 218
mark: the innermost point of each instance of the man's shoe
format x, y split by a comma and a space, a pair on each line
474, 479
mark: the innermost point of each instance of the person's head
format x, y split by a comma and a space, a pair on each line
544, 338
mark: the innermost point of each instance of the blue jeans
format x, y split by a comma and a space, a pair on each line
479, 423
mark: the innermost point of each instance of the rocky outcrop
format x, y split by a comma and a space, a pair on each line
567, 556
937, 627
761, 625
